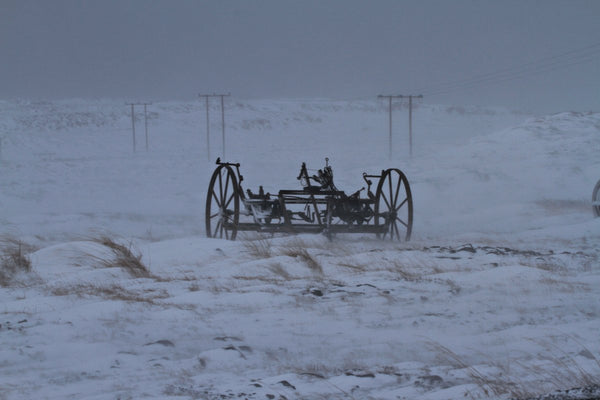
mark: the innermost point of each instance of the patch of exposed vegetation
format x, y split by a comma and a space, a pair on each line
13, 259
123, 257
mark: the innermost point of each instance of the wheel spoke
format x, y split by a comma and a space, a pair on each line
391, 190
386, 201
221, 184
396, 229
217, 228
214, 215
397, 191
402, 222
229, 201
226, 187
216, 199
401, 204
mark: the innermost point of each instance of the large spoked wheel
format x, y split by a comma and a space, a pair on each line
393, 205
596, 200
222, 204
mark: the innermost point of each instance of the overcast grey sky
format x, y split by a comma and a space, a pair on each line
524, 54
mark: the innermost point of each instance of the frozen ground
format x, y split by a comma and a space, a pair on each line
496, 296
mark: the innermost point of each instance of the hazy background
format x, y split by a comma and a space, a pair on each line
541, 56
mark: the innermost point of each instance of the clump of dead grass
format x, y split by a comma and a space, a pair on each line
278, 269
258, 246
488, 384
124, 257
401, 269
111, 292
298, 249
354, 266
13, 259
557, 370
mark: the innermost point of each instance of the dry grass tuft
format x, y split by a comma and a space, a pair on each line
566, 286
278, 269
298, 249
569, 371
556, 371
400, 269
123, 257
546, 265
354, 266
489, 385
111, 292
259, 246
13, 259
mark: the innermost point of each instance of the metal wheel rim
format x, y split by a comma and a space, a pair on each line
596, 200
222, 204
388, 199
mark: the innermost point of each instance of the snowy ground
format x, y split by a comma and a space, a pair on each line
496, 296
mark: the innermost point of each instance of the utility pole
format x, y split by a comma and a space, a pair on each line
410, 104
223, 124
206, 96
133, 122
222, 96
146, 123
389, 97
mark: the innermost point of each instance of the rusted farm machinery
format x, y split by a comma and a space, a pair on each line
319, 207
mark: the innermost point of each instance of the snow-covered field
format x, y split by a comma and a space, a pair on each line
496, 296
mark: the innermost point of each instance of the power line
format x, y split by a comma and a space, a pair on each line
519, 68
546, 64
508, 77
566, 59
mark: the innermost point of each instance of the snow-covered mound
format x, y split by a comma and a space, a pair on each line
495, 297
534, 175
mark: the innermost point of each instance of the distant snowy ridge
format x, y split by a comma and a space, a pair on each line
80, 113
